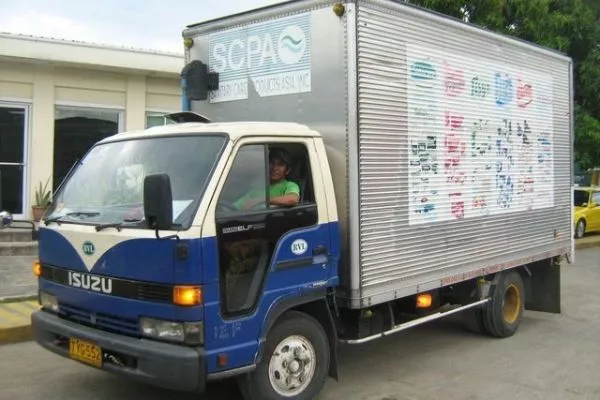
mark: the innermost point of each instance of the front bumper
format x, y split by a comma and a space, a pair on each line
160, 364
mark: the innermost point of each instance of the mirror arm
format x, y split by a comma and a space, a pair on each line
175, 236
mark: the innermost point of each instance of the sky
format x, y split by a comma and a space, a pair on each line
144, 24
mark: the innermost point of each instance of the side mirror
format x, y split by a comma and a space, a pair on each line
158, 202
6, 219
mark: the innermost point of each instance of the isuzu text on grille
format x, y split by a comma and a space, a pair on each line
90, 282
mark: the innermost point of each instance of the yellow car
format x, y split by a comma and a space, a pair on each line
586, 210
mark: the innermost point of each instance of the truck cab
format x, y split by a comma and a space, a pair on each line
166, 256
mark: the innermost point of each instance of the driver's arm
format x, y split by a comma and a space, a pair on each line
289, 198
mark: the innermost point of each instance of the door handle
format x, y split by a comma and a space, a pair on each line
319, 250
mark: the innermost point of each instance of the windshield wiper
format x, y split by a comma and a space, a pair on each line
117, 225
71, 214
54, 219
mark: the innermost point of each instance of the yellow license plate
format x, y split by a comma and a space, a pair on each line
86, 352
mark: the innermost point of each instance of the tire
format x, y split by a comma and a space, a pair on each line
502, 315
473, 320
580, 229
297, 331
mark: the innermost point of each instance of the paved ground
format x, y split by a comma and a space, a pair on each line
551, 357
17, 253
589, 240
15, 320
16, 277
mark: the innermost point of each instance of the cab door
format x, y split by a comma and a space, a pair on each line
265, 253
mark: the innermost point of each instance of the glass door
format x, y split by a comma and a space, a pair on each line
13, 129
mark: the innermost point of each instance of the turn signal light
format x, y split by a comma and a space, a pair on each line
187, 295
222, 360
37, 268
424, 300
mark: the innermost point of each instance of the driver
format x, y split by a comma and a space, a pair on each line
282, 192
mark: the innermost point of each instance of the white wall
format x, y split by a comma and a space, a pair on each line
43, 86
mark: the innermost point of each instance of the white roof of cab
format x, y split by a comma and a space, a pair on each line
235, 130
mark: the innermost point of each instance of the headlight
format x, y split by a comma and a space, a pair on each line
182, 332
49, 302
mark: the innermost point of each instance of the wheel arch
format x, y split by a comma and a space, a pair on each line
313, 304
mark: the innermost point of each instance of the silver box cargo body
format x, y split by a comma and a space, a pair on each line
450, 146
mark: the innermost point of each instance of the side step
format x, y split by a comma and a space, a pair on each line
416, 322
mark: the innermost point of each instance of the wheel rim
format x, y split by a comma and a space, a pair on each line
511, 307
292, 366
580, 229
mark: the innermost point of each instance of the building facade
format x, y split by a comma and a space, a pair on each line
58, 98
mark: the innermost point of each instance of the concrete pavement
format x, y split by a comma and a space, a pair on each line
588, 241
18, 250
15, 320
16, 277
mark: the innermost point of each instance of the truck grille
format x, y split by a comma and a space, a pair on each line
101, 321
137, 290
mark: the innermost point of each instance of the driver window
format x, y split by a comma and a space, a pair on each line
245, 187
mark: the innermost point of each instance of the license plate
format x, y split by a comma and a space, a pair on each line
86, 352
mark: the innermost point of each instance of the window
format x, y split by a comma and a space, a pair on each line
108, 183
246, 184
596, 198
13, 136
286, 168
581, 198
76, 130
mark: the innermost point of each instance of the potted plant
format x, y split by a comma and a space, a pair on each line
43, 198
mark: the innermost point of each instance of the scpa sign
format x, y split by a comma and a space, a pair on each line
274, 57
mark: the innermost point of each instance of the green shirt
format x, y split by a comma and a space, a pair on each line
281, 188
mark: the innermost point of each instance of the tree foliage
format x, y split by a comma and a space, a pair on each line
570, 26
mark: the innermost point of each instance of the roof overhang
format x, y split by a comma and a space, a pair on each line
90, 56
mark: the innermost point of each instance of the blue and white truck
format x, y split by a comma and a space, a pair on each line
340, 171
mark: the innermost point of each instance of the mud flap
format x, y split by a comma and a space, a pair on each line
542, 286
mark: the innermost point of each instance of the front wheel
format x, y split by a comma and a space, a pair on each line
295, 362
580, 229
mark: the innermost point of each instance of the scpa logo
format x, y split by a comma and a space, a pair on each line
274, 57
260, 50
88, 248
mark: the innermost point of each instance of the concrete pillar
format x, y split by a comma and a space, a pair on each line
135, 114
41, 139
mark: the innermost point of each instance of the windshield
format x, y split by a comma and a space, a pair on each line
581, 198
107, 186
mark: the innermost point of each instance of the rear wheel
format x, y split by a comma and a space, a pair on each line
502, 315
295, 362
580, 229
